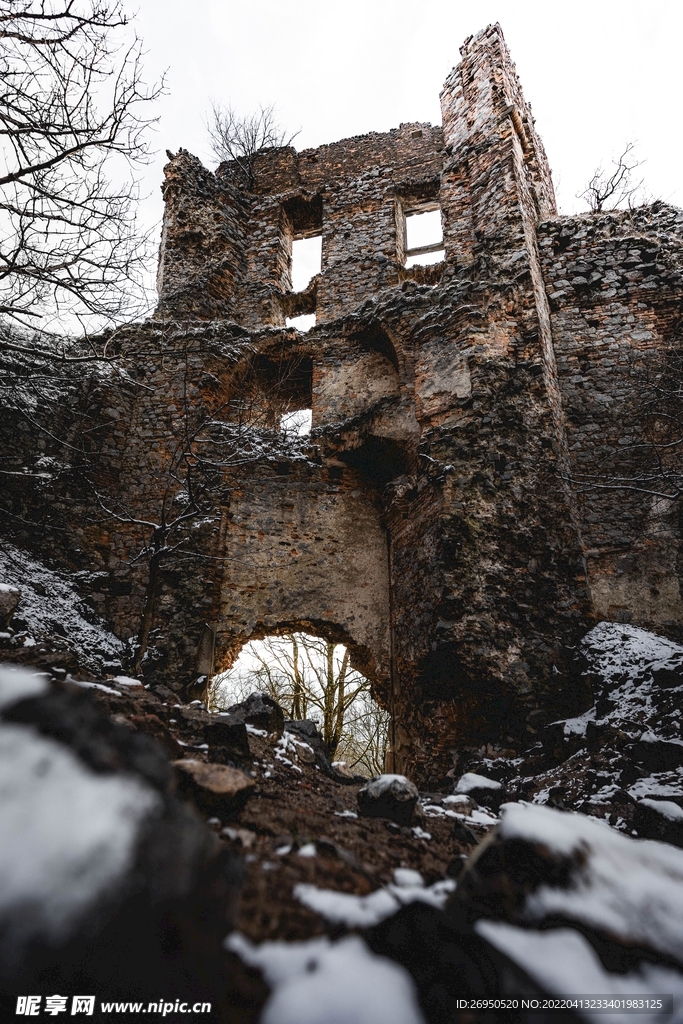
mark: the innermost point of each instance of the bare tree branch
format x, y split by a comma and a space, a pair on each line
608, 191
240, 139
73, 128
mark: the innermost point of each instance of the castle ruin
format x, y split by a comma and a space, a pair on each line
452, 516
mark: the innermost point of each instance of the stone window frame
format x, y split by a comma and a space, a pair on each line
407, 206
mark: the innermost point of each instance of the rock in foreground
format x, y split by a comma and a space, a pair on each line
389, 796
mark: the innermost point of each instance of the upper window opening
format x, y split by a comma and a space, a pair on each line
306, 261
424, 237
296, 423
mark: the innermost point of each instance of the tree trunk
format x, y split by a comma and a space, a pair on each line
297, 712
339, 722
149, 610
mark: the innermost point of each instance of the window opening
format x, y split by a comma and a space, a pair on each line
306, 261
296, 423
311, 678
424, 237
302, 323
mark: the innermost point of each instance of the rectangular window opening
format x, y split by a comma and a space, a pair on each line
306, 261
424, 236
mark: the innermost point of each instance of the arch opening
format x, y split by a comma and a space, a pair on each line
311, 677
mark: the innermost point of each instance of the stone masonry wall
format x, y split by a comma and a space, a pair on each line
458, 515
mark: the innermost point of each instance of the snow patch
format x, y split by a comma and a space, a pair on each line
367, 911
321, 982
126, 681
19, 684
630, 888
666, 808
470, 781
564, 963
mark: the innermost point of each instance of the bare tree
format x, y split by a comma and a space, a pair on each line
73, 124
312, 677
239, 139
607, 191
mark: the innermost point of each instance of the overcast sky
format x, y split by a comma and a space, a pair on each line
597, 73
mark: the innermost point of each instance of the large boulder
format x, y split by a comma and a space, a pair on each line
215, 788
261, 711
389, 796
576, 904
486, 792
225, 735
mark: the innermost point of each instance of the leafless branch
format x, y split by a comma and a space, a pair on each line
607, 191
73, 128
240, 139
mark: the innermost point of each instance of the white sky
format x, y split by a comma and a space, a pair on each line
596, 72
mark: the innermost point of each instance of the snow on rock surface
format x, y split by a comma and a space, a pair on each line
51, 606
19, 684
631, 889
482, 790
388, 796
69, 834
367, 911
665, 807
321, 982
466, 783
629, 654
633, 666
564, 963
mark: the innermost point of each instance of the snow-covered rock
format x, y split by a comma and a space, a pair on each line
389, 796
260, 711
322, 982
19, 684
484, 791
51, 607
546, 868
97, 851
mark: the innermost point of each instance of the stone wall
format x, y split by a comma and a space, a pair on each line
453, 516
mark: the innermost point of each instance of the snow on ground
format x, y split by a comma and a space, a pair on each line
68, 834
321, 982
564, 963
367, 911
632, 889
51, 607
661, 784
